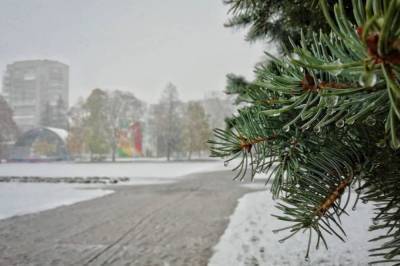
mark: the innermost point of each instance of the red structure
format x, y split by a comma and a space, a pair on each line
137, 137
130, 141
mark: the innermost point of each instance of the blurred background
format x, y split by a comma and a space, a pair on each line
103, 80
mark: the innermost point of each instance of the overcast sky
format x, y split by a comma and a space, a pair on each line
135, 45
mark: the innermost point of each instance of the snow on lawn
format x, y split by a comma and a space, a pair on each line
248, 239
132, 170
23, 198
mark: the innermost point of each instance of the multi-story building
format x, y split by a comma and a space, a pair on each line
31, 86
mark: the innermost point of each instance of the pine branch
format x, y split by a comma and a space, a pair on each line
323, 118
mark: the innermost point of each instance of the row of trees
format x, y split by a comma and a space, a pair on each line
178, 127
171, 128
94, 122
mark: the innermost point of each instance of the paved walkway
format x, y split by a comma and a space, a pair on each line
170, 224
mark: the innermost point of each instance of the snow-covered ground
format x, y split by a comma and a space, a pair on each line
139, 169
23, 198
248, 240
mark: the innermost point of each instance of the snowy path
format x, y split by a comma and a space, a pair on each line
173, 224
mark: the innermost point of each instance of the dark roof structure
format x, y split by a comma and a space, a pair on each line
41, 144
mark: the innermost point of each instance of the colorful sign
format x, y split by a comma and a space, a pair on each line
130, 141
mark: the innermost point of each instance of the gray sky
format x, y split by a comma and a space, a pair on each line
135, 45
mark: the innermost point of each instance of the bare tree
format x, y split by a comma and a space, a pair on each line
217, 107
166, 122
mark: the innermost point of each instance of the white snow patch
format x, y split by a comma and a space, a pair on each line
248, 239
24, 198
132, 170
62, 133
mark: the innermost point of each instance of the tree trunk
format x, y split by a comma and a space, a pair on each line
168, 151
190, 151
113, 151
113, 155
113, 144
